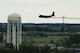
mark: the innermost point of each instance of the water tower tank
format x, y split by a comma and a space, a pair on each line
14, 16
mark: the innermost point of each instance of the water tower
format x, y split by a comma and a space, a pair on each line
14, 30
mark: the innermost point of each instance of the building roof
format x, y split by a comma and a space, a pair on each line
14, 16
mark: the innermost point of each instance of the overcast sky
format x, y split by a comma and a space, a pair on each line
31, 9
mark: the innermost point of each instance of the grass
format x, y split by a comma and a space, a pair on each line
41, 39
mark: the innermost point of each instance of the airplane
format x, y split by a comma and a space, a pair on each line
44, 16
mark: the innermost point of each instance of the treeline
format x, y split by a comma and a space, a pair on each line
45, 27
52, 29
8, 50
34, 49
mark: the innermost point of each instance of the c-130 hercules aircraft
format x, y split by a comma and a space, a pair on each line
47, 16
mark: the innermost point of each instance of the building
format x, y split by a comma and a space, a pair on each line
14, 30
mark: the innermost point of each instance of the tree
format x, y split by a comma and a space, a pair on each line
8, 50
45, 49
51, 41
9, 45
1, 38
41, 35
29, 49
72, 39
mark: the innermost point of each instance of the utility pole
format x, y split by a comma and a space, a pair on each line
63, 32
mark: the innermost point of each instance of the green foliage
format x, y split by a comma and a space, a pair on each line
29, 49
45, 49
33, 49
8, 50
73, 39
9, 45
51, 41
1, 37
27, 39
55, 50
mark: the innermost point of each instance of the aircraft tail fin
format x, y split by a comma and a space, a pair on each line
53, 14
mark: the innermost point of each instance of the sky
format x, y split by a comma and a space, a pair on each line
31, 9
